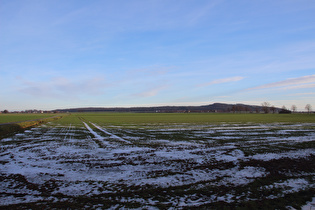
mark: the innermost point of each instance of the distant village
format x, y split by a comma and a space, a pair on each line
32, 111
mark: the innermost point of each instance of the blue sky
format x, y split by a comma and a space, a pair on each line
64, 54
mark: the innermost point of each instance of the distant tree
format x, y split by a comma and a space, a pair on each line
266, 107
293, 108
308, 108
284, 110
5, 111
233, 108
273, 109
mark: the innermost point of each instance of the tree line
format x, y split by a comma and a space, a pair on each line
268, 108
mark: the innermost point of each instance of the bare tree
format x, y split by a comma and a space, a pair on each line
273, 109
293, 108
266, 107
308, 108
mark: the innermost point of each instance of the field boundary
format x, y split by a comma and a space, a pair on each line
7, 129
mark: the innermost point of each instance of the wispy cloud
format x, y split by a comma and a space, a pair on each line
151, 92
288, 83
61, 87
203, 11
224, 80
150, 71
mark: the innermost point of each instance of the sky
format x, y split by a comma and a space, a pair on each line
126, 53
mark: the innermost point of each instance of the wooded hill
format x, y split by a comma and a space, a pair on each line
216, 107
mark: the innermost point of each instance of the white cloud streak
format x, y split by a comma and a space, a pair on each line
299, 87
292, 83
220, 81
302, 94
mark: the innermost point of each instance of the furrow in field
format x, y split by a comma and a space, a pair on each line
68, 132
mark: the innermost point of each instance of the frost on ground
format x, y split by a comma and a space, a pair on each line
181, 167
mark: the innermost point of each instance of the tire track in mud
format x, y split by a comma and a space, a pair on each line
96, 135
101, 138
111, 134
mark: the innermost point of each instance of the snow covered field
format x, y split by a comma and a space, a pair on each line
170, 166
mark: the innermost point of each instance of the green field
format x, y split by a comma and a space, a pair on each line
125, 119
165, 118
